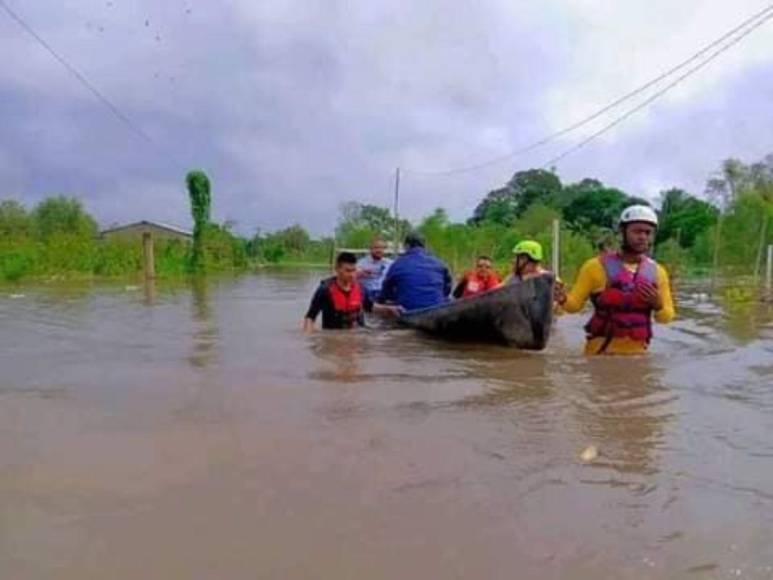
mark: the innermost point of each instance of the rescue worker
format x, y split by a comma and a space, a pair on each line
481, 279
372, 268
528, 261
416, 279
340, 299
627, 288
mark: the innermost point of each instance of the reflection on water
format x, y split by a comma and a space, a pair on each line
341, 351
191, 430
149, 290
205, 336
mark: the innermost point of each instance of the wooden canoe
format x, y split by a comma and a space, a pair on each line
518, 314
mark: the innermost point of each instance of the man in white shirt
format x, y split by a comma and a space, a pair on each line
371, 269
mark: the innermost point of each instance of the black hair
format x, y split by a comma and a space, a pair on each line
346, 258
414, 240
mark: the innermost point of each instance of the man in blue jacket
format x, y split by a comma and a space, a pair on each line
417, 279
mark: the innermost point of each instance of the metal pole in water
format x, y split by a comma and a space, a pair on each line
556, 263
148, 258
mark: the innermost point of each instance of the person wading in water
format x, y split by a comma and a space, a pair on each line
340, 299
626, 288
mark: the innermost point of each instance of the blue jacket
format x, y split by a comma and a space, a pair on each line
417, 279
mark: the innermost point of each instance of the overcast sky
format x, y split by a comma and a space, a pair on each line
294, 106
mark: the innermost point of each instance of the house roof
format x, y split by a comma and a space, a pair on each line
160, 225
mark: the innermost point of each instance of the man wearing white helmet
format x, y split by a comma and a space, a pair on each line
627, 288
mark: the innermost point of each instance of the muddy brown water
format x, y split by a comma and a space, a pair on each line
195, 433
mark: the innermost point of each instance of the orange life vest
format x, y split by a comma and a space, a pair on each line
347, 305
474, 284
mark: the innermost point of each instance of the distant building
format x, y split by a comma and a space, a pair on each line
158, 230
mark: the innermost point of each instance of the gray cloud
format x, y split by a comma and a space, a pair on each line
294, 107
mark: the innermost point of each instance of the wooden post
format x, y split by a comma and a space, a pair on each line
556, 262
769, 272
150, 291
148, 258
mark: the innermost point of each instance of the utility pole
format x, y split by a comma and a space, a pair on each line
556, 261
397, 211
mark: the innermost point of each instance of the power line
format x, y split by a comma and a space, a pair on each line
657, 95
762, 14
78, 75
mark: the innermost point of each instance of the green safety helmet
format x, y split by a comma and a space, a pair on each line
530, 248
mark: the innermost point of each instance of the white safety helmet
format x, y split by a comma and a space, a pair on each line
638, 213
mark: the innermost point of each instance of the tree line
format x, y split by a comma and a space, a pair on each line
726, 226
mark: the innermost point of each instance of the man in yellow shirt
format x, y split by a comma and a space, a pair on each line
627, 288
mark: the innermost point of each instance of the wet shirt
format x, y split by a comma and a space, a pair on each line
513, 279
334, 318
592, 279
417, 279
372, 272
472, 284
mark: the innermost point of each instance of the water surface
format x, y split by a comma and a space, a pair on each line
194, 432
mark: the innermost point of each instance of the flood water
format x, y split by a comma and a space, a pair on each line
195, 433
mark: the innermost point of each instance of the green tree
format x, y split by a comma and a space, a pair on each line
62, 215
741, 229
18, 250
598, 206
504, 205
684, 217
15, 221
575, 190
199, 193
730, 180
672, 255
295, 239
437, 219
537, 219
221, 249
358, 223
499, 207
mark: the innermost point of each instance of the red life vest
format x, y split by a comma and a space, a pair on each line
474, 284
347, 305
619, 309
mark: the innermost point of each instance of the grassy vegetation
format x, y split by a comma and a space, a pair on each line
727, 226
58, 238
